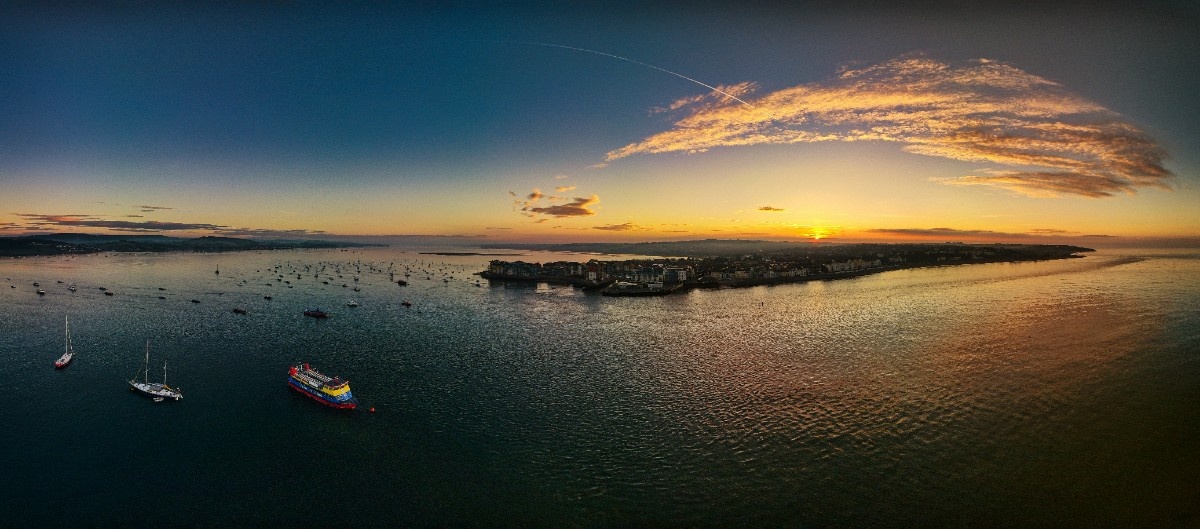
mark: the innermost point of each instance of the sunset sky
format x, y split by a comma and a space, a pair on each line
615, 121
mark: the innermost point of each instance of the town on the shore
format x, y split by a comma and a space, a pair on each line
666, 275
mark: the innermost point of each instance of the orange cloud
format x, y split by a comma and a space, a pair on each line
771, 209
1052, 142
957, 234
617, 227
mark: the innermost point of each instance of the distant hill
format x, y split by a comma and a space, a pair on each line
82, 243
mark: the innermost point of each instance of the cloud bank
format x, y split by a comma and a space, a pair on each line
1047, 141
956, 234
43, 222
628, 226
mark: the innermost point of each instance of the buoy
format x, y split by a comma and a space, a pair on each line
372, 409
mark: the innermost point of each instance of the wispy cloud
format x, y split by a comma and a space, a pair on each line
269, 233
564, 189
771, 209
44, 222
1046, 140
151, 209
90, 221
952, 233
618, 227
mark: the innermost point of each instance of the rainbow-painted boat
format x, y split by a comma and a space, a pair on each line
330, 391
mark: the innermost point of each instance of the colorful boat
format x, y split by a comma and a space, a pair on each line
330, 391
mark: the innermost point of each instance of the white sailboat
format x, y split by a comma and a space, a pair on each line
69, 353
154, 389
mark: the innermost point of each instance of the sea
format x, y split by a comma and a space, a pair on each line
1060, 393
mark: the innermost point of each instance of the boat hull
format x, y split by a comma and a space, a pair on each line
155, 390
313, 394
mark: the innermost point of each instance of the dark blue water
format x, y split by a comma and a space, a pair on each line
1050, 394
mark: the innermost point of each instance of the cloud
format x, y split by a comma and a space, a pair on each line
89, 221
530, 206
151, 209
712, 99
43, 222
263, 232
561, 177
952, 233
769, 208
617, 227
564, 189
576, 208
1048, 141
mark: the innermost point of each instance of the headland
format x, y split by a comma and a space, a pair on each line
735, 263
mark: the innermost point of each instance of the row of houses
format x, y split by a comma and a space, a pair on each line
633, 271
670, 271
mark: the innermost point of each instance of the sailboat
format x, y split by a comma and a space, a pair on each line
153, 389
69, 354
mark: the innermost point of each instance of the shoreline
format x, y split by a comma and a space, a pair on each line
687, 286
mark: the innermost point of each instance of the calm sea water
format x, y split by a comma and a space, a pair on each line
1051, 394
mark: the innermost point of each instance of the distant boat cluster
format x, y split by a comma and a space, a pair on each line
331, 391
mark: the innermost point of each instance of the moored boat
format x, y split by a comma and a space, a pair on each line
153, 389
330, 391
69, 353
316, 313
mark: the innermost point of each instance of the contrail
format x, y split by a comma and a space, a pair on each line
664, 70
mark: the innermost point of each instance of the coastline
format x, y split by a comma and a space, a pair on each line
605, 286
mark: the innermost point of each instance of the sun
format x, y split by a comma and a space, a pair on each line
817, 233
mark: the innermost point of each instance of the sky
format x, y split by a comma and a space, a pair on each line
604, 121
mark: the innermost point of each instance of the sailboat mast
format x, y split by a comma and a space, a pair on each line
164, 372
67, 331
146, 363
